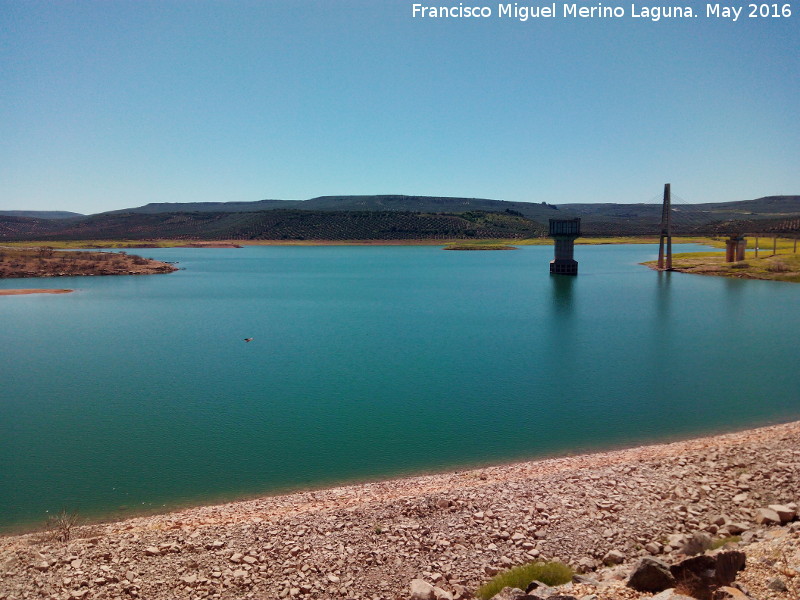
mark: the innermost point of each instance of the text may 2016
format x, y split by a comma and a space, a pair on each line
598, 11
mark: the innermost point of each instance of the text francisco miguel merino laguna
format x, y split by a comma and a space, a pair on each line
573, 10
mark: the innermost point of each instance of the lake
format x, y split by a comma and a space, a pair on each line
138, 393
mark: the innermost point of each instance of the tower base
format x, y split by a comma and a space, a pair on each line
563, 267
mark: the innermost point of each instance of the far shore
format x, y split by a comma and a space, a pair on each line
781, 266
174, 243
33, 291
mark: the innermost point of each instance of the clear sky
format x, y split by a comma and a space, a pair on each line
112, 104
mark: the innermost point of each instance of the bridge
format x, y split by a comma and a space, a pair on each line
771, 217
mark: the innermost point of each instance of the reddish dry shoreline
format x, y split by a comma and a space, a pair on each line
43, 261
370, 540
33, 291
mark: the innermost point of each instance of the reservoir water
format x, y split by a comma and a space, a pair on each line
138, 393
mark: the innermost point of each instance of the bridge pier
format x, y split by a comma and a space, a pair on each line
564, 232
734, 248
665, 259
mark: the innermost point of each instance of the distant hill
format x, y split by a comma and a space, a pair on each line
394, 203
276, 225
639, 219
41, 214
401, 217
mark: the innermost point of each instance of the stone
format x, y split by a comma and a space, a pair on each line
189, 580
767, 516
152, 551
736, 528
651, 575
440, 594
676, 540
509, 593
586, 564
421, 590
540, 590
670, 594
653, 548
697, 544
729, 593
785, 513
614, 557
696, 575
728, 566
777, 585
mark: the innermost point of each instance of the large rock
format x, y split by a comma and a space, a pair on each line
785, 513
697, 544
735, 528
700, 576
421, 590
728, 566
614, 557
440, 594
651, 575
696, 575
767, 516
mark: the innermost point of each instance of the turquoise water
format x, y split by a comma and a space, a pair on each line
135, 393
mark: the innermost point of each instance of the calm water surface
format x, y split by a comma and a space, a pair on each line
135, 393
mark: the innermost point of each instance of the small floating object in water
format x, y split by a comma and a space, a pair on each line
248, 339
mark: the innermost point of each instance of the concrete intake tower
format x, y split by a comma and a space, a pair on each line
564, 232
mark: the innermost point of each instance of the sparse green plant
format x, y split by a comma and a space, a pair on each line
550, 573
62, 524
732, 539
378, 529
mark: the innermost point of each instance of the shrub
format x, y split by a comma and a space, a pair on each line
549, 573
777, 267
61, 525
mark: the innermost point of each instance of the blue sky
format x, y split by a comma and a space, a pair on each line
113, 104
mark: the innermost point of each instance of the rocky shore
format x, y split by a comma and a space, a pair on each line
47, 262
25, 291
448, 533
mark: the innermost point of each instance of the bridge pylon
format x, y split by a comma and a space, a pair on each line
665, 258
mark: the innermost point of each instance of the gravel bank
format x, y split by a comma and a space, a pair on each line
370, 540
